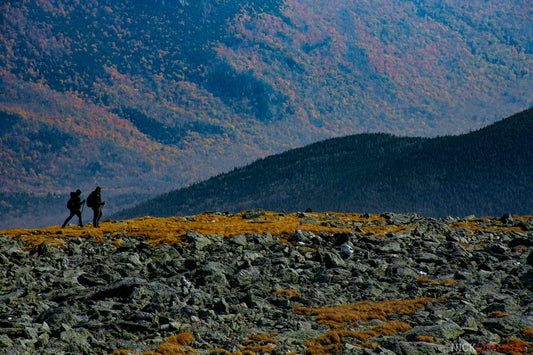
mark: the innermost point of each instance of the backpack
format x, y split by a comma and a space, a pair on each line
91, 200
71, 204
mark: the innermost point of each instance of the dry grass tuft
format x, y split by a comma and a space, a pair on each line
514, 346
422, 280
340, 318
182, 339
498, 314
427, 339
364, 311
259, 344
255, 344
332, 342
169, 231
425, 280
173, 346
288, 293
479, 225
117, 243
449, 282
484, 225
527, 332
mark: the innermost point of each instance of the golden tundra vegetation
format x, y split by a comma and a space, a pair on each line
345, 321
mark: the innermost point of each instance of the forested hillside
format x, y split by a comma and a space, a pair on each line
142, 97
486, 172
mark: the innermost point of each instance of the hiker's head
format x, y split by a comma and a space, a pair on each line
78, 192
98, 188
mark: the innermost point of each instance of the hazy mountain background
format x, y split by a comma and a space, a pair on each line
142, 97
488, 172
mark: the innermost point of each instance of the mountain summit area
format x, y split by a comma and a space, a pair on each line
142, 97
260, 282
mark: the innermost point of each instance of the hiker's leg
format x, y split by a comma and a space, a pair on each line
95, 217
68, 219
78, 213
99, 215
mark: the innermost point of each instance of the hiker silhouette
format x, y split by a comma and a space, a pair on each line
95, 202
74, 204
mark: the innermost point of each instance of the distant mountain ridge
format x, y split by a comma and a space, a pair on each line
486, 172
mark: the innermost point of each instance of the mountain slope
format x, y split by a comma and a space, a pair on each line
486, 172
145, 96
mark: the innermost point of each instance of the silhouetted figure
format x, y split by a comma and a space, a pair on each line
95, 202
74, 204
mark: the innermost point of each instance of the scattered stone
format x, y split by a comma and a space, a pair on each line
347, 250
255, 213
95, 298
333, 259
507, 218
441, 332
529, 259
239, 240
198, 240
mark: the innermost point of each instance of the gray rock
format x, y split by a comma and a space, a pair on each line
455, 250
213, 273
266, 240
309, 221
398, 345
76, 340
333, 259
347, 250
255, 213
497, 248
120, 289
239, 240
441, 332
5, 341
222, 289
247, 277
289, 275
357, 350
529, 259
391, 246
507, 218
403, 273
57, 317
505, 326
429, 258
198, 239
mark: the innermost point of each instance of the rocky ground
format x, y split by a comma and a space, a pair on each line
389, 284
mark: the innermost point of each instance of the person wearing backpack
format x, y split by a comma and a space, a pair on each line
95, 202
74, 205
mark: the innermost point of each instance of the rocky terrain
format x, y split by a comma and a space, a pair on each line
263, 282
